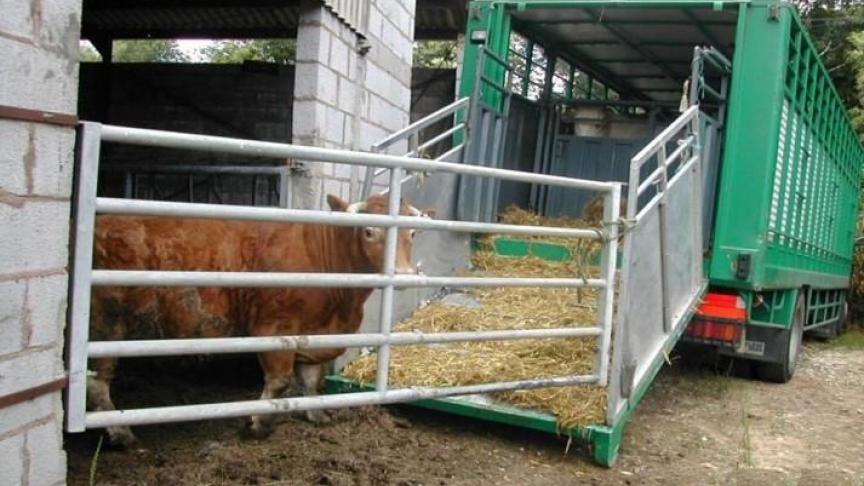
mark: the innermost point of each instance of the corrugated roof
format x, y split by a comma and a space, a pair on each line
136, 19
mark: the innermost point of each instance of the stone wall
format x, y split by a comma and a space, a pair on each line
38, 73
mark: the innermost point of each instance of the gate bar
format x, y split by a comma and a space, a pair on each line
286, 405
175, 347
136, 207
159, 278
209, 143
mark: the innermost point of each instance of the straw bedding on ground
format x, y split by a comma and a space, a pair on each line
508, 308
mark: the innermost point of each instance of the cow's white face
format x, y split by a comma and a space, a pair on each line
373, 240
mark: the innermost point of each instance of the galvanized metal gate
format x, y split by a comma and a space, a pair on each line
663, 244
87, 206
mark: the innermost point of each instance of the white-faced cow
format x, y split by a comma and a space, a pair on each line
145, 243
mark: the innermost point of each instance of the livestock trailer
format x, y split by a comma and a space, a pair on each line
715, 117
773, 208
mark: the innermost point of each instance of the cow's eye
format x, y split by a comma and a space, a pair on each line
369, 233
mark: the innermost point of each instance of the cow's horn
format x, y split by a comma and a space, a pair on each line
415, 212
356, 207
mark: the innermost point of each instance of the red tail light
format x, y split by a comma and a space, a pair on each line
719, 320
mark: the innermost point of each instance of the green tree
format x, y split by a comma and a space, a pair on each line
855, 60
278, 51
137, 51
148, 50
87, 53
435, 54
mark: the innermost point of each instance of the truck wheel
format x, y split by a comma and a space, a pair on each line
782, 372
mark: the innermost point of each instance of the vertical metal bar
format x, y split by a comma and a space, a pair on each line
89, 136
608, 261
695, 76
664, 244
284, 193
128, 185
697, 192
534, 199
390, 270
414, 143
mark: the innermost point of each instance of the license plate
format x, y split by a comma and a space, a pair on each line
754, 347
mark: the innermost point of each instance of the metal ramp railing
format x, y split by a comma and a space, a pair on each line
412, 133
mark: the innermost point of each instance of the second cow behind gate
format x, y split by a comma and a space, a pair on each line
169, 244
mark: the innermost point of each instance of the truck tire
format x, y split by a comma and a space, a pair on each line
782, 372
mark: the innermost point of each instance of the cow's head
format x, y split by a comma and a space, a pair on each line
373, 239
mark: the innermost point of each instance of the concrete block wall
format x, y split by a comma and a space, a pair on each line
38, 72
351, 91
252, 100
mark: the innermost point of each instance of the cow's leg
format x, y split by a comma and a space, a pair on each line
99, 399
108, 323
278, 373
309, 376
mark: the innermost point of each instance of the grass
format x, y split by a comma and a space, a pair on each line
851, 339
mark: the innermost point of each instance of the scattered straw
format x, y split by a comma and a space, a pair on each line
508, 308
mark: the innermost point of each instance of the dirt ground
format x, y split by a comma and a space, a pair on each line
694, 427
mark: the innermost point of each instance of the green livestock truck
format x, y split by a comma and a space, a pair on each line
739, 164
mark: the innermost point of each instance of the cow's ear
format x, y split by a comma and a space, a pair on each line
429, 213
336, 203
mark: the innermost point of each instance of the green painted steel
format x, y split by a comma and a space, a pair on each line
605, 441
789, 187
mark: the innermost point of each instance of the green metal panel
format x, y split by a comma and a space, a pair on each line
790, 176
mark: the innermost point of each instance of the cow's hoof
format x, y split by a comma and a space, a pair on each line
319, 417
256, 430
121, 438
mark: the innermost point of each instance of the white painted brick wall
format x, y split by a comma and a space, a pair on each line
12, 457
53, 161
12, 336
12, 152
37, 79
40, 239
29, 369
46, 302
45, 469
27, 413
339, 56
367, 97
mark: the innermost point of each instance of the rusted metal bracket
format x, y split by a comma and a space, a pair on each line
37, 116
33, 392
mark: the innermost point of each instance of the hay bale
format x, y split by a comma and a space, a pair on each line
508, 308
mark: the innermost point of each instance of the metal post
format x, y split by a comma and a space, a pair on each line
696, 210
284, 188
661, 213
390, 271
608, 262
89, 135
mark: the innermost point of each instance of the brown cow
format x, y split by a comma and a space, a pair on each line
144, 243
